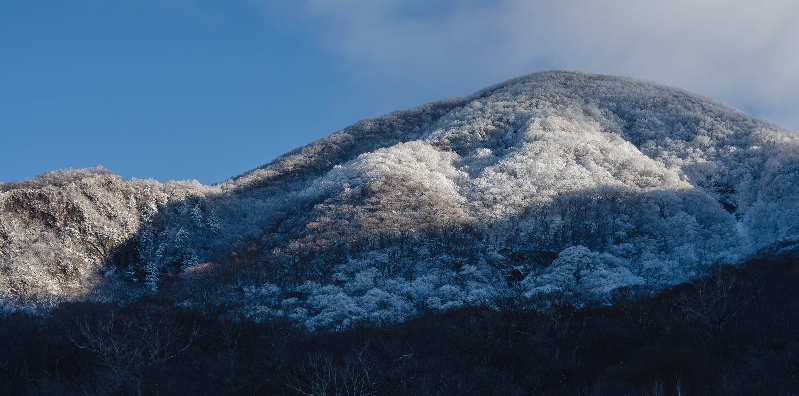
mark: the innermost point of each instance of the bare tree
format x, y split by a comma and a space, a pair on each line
713, 303
127, 346
229, 352
356, 375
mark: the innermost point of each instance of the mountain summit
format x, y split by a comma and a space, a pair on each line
553, 183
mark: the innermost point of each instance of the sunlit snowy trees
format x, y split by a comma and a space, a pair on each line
59, 232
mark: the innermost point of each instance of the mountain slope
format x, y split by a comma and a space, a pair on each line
555, 182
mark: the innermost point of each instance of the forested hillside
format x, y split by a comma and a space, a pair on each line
59, 231
730, 333
556, 183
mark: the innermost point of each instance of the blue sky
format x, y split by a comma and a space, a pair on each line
202, 89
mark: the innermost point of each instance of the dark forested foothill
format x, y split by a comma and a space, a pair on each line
731, 332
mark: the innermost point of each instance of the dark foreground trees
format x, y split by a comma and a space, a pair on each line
733, 332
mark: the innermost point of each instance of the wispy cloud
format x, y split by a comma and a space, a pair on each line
739, 51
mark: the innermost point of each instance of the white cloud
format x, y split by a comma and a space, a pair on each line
742, 52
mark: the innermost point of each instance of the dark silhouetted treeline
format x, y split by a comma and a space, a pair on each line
734, 332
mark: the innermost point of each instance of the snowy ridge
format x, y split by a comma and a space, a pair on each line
553, 183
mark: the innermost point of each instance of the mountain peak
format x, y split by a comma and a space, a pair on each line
554, 182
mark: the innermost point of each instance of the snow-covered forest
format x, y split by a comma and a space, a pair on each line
557, 184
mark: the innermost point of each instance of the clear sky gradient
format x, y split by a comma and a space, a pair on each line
206, 90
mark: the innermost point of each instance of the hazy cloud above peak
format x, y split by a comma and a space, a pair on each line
741, 52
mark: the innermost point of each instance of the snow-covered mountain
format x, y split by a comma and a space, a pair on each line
556, 183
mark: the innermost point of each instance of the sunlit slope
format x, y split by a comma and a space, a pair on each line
58, 231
